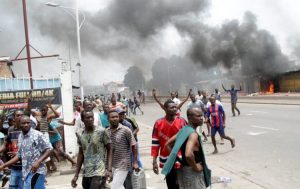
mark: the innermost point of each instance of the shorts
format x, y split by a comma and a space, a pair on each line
219, 129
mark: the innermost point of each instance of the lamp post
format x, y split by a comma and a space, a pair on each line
78, 27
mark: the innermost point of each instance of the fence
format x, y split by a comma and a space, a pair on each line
23, 83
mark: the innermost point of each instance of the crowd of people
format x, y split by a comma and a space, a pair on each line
177, 143
107, 138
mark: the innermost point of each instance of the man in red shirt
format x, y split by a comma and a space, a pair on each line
163, 130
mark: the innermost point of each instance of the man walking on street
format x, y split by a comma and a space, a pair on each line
104, 116
137, 104
94, 143
123, 144
215, 113
163, 130
190, 175
233, 97
34, 149
199, 104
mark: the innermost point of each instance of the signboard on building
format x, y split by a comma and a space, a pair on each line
39, 97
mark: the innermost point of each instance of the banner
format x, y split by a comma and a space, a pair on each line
11, 100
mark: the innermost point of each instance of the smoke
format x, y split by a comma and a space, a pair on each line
125, 30
235, 43
129, 32
294, 42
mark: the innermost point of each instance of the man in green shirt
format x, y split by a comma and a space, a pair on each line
94, 143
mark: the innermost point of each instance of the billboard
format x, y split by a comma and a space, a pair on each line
12, 100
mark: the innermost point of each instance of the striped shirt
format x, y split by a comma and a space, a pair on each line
122, 140
215, 114
163, 130
44, 126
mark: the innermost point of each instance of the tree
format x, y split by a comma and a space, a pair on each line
134, 78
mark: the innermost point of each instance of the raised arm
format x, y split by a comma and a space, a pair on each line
56, 114
240, 88
224, 88
187, 97
29, 107
156, 99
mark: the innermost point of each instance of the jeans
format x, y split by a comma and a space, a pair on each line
139, 161
35, 181
190, 179
16, 180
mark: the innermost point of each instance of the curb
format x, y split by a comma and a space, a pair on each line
271, 103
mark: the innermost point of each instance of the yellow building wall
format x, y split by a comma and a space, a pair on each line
290, 83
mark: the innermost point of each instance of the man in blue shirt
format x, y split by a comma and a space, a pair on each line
233, 96
34, 149
103, 116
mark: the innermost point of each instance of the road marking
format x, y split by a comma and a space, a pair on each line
267, 128
257, 111
256, 133
249, 114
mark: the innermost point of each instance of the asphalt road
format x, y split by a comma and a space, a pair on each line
266, 154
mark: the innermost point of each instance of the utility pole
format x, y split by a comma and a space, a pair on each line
27, 43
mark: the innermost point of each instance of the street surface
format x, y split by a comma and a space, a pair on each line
266, 154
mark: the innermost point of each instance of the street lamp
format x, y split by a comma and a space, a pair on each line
78, 27
79, 68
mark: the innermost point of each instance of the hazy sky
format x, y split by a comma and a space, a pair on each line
279, 17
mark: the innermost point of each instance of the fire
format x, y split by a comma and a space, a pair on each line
271, 87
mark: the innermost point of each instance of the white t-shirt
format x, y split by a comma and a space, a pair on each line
176, 101
217, 102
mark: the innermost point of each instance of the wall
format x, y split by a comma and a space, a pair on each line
290, 82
